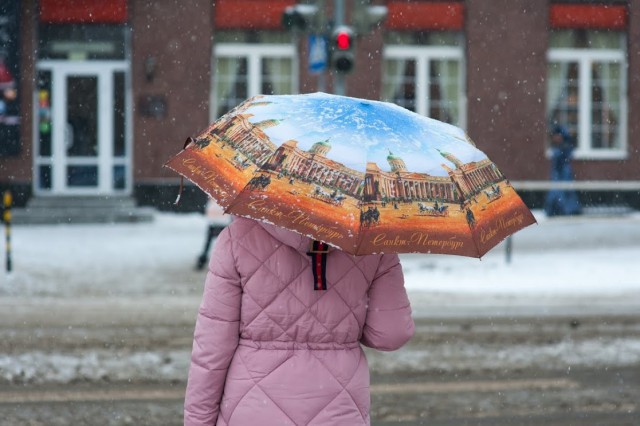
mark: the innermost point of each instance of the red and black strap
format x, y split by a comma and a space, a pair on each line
318, 253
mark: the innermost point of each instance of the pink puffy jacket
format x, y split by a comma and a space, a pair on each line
268, 349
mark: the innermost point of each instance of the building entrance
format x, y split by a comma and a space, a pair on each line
81, 131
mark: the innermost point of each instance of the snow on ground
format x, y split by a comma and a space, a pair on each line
579, 255
558, 261
94, 365
125, 365
593, 271
557, 256
460, 355
106, 260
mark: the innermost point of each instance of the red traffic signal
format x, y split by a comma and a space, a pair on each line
342, 49
343, 40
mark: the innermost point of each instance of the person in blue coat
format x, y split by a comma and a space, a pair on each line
561, 202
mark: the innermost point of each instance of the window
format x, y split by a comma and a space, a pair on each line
586, 90
423, 72
242, 70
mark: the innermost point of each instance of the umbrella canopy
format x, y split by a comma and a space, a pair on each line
364, 176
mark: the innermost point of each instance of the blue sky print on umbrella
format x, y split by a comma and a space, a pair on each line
361, 131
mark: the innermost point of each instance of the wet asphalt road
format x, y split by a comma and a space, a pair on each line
435, 384
584, 397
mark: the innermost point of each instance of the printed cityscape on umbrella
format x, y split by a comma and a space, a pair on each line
363, 164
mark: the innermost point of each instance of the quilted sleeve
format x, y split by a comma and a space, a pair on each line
216, 336
388, 324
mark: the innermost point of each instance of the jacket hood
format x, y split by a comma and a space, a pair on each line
287, 237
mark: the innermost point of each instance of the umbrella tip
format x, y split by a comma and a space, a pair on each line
175, 203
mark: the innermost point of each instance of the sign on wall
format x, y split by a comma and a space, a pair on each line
9, 78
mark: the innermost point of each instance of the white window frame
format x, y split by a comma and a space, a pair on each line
422, 55
585, 58
254, 53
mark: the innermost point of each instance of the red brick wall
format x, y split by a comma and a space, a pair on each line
506, 70
632, 168
627, 169
180, 39
366, 79
506, 97
17, 170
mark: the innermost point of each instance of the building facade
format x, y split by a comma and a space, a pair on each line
98, 95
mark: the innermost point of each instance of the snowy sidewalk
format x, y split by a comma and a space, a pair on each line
557, 266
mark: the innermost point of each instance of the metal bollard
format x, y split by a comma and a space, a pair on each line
7, 200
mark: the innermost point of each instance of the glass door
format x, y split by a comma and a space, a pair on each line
81, 143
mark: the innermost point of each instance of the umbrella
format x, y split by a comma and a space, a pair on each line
361, 175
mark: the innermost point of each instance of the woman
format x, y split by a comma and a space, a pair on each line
269, 349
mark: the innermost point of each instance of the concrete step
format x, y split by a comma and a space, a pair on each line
81, 210
607, 210
85, 202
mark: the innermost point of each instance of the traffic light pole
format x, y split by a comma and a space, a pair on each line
338, 17
7, 201
338, 36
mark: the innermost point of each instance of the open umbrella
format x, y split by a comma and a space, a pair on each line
361, 175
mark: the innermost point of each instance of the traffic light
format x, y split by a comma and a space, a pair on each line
342, 49
299, 16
